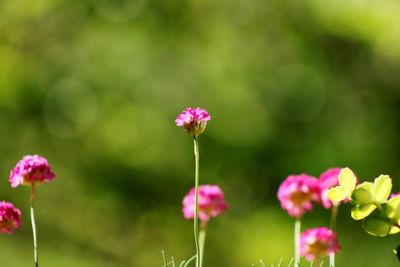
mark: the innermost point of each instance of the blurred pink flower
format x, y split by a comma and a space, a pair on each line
211, 202
327, 180
297, 192
394, 195
318, 242
10, 217
29, 170
193, 120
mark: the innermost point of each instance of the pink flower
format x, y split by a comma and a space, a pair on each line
327, 180
193, 120
394, 195
211, 202
297, 192
318, 242
10, 217
30, 170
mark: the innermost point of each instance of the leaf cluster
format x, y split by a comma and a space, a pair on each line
371, 203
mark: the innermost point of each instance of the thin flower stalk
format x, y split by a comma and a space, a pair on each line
31, 170
205, 201
211, 203
327, 180
335, 210
296, 195
196, 213
202, 240
35, 246
297, 231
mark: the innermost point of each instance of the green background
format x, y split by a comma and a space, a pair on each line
95, 87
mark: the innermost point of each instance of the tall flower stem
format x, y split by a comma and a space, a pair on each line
297, 230
196, 212
35, 247
202, 240
335, 210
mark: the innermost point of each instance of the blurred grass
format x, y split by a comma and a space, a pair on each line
96, 85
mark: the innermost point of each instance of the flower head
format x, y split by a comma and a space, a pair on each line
193, 120
297, 192
318, 242
211, 202
30, 170
327, 180
10, 217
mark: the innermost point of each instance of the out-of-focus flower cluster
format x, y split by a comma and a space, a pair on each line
316, 243
211, 202
297, 193
10, 217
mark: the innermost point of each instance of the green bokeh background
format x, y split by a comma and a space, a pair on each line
95, 86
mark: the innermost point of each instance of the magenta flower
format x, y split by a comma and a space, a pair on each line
30, 170
297, 192
193, 120
318, 242
10, 217
211, 202
394, 195
327, 180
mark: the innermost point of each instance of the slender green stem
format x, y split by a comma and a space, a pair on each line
202, 239
335, 210
186, 263
297, 229
164, 258
290, 262
196, 213
35, 247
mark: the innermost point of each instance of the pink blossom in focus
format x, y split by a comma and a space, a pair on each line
318, 242
193, 120
10, 217
327, 180
297, 192
30, 170
211, 202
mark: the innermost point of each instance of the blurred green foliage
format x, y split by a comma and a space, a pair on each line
95, 86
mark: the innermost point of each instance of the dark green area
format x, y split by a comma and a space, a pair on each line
95, 86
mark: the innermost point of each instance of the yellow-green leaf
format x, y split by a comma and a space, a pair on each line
383, 186
359, 212
337, 194
347, 179
391, 209
376, 226
364, 193
394, 230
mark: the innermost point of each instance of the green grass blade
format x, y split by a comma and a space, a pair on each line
164, 258
189, 260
